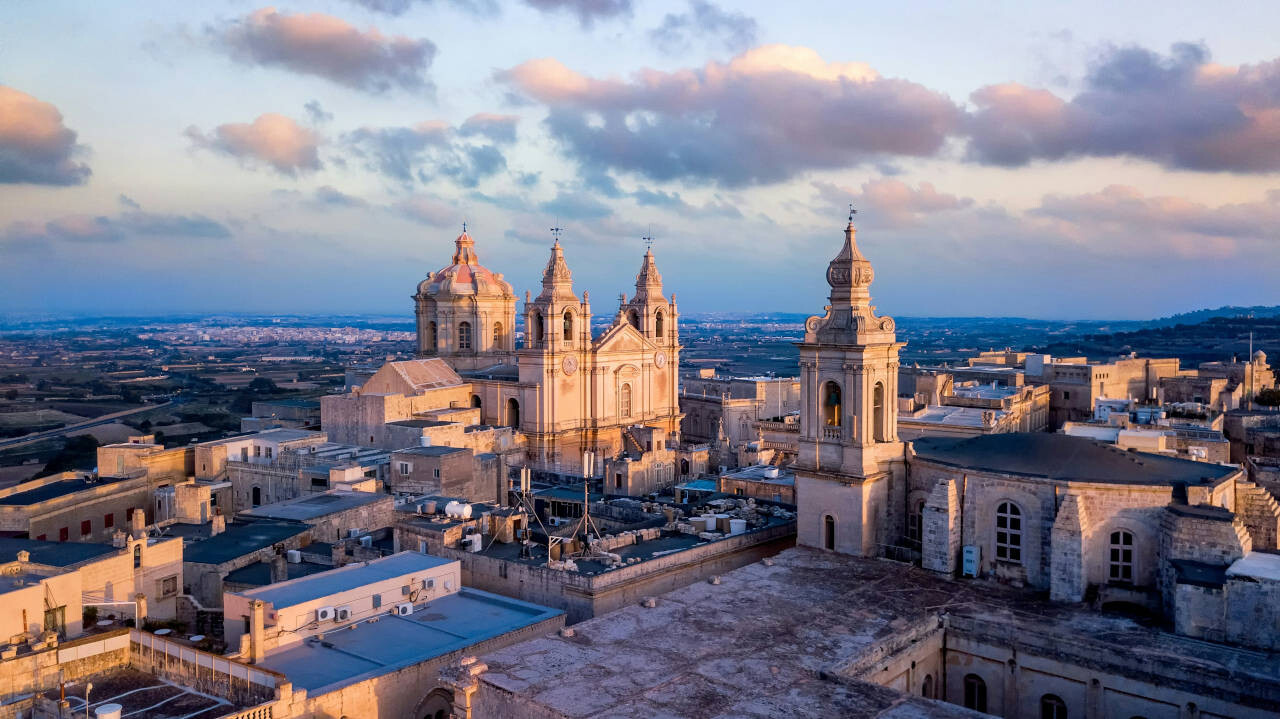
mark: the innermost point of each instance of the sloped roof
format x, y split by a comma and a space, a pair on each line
411, 377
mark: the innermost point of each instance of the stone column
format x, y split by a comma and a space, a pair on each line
257, 618
464, 679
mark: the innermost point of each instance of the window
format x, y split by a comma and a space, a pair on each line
831, 404
268, 452
658, 325
915, 524
244, 454
137, 556
86, 527
319, 483
634, 319
975, 693
1008, 532
64, 534
404, 468
829, 532
1120, 561
41, 538
256, 497
513, 413
624, 401
377, 601
109, 520
464, 336
497, 337
257, 451
169, 586
539, 328
476, 403
926, 690
568, 326
55, 620
432, 334
877, 413
1066, 395
436, 472
1052, 707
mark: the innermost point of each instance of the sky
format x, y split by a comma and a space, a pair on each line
1054, 160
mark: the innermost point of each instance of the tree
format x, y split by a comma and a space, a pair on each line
1268, 397
262, 385
78, 453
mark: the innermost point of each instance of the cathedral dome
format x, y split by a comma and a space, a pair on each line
465, 276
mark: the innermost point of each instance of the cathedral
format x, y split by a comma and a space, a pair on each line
567, 390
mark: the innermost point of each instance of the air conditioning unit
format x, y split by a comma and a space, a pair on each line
352, 533
404, 609
324, 614
294, 556
366, 541
429, 584
971, 557
343, 614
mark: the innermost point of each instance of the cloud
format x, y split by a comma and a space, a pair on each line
317, 114
673, 202
765, 116
128, 202
428, 210
430, 150
328, 47
273, 139
497, 128
400, 7
736, 31
1123, 217
103, 229
576, 206
887, 202
328, 196
1179, 110
587, 11
35, 147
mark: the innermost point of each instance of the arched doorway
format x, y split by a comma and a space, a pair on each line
513, 413
436, 705
257, 496
684, 468
475, 401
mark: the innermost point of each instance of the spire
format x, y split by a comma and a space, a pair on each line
557, 280
850, 273
465, 253
649, 282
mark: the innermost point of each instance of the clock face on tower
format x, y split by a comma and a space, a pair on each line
660, 359
569, 364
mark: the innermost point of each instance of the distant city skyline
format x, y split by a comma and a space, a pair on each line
321, 157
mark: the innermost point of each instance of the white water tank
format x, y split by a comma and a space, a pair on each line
458, 510
737, 526
294, 556
108, 711
771, 473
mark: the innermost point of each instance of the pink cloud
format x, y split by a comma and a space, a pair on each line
272, 138
35, 146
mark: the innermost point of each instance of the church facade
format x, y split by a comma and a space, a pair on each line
566, 389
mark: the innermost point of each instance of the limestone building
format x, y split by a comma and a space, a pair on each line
564, 389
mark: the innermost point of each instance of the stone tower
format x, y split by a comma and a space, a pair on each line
648, 311
851, 465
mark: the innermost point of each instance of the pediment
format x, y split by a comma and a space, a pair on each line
622, 338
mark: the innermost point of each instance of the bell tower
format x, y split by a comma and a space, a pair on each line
649, 311
851, 463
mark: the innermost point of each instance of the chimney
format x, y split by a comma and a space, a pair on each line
217, 525
118, 539
24, 556
279, 568
257, 616
138, 524
140, 616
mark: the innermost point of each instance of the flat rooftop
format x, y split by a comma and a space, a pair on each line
258, 574
1066, 458
145, 696
302, 509
954, 416
352, 576
239, 539
54, 490
280, 434
434, 450
783, 640
54, 554
760, 473
389, 642
421, 423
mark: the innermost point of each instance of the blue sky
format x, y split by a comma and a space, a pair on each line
1064, 160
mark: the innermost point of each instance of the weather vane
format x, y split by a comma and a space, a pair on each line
852, 212
464, 227
555, 231
648, 239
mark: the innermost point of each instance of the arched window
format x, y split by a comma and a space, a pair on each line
568, 326
877, 413
1120, 560
464, 335
658, 326
915, 524
257, 496
137, 556
1052, 707
829, 532
624, 401
475, 401
926, 690
1008, 532
975, 693
432, 334
513, 413
497, 336
634, 319
539, 329
831, 404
